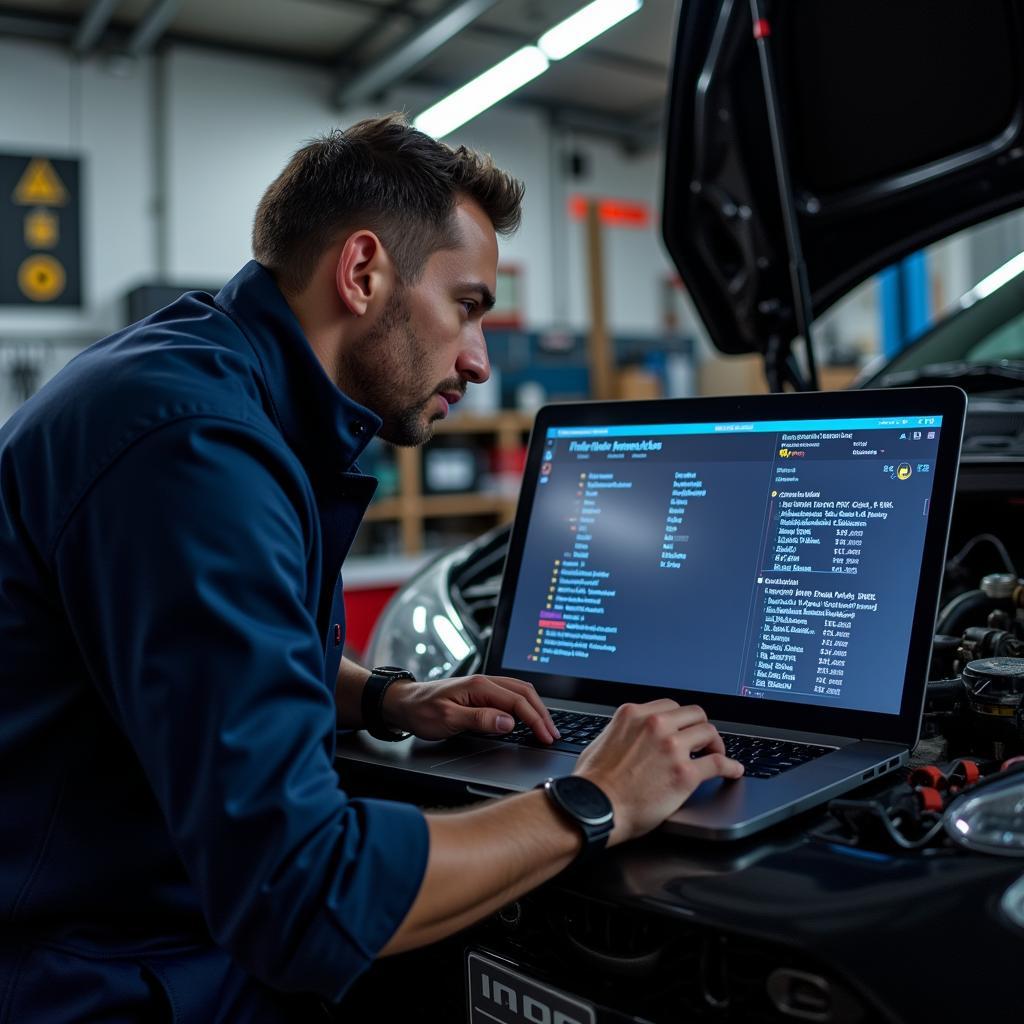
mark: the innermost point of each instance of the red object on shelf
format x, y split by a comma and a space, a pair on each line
620, 213
363, 606
508, 461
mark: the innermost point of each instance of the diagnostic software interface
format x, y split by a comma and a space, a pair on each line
769, 559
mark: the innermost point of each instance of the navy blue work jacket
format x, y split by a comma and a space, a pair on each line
175, 506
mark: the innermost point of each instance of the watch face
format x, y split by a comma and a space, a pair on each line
584, 798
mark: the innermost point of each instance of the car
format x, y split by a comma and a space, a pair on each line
978, 346
863, 195
809, 146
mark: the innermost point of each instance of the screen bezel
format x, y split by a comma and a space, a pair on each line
948, 402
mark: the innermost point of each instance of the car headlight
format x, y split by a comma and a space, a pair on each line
420, 628
1012, 903
990, 817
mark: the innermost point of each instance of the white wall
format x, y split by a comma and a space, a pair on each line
197, 135
519, 139
222, 126
232, 124
234, 121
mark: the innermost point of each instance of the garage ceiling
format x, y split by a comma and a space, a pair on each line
615, 86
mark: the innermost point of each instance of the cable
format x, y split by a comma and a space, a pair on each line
954, 616
955, 561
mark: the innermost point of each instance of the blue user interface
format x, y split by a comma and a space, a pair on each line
775, 560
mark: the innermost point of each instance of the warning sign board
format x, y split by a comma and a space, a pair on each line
40, 185
41, 278
40, 245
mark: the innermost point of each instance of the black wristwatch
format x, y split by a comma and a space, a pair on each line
586, 804
372, 703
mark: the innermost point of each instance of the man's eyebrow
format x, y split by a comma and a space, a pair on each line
487, 299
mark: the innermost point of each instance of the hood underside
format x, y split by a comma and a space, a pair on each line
902, 121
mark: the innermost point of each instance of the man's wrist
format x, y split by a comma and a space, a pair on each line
375, 692
621, 828
587, 805
570, 836
392, 707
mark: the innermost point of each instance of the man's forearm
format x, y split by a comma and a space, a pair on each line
348, 692
482, 858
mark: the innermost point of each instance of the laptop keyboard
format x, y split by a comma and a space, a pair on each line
761, 757
576, 728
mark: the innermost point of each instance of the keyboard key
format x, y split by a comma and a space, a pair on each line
576, 732
762, 757
765, 758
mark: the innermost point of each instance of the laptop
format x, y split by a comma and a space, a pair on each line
775, 559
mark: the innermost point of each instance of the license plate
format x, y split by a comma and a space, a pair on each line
497, 994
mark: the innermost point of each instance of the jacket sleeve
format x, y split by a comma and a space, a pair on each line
186, 576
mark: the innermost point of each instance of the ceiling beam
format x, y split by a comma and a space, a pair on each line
31, 25
635, 132
92, 26
391, 68
353, 55
146, 33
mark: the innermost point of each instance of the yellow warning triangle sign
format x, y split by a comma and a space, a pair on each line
40, 185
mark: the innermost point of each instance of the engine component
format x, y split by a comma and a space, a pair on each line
993, 701
964, 609
976, 687
999, 585
982, 642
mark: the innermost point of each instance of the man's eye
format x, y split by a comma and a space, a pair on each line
468, 305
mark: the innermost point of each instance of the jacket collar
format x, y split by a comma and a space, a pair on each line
321, 424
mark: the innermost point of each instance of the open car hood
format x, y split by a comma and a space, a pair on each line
901, 122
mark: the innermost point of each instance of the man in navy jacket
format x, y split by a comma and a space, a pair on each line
175, 507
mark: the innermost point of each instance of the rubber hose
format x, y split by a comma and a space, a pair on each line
967, 609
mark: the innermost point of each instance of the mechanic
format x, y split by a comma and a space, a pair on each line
175, 507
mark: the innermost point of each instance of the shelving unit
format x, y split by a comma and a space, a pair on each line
410, 508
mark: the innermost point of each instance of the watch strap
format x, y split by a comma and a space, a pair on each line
595, 834
372, 702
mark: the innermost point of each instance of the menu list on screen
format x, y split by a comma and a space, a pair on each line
776, 560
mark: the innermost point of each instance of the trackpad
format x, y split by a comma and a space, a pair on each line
515, 768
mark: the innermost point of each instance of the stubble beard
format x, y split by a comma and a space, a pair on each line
391, 361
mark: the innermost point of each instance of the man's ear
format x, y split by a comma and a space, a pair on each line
363, 272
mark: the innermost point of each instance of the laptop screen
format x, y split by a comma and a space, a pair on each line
773, 560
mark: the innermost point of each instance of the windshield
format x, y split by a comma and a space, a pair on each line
989, 330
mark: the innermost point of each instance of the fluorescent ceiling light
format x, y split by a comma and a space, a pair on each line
523, 66
484, 91
578, 29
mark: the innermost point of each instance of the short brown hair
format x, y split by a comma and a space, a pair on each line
380, 174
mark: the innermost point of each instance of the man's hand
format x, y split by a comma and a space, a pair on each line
642, 762
489, 855
434, 711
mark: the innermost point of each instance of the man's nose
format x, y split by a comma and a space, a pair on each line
473, 365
